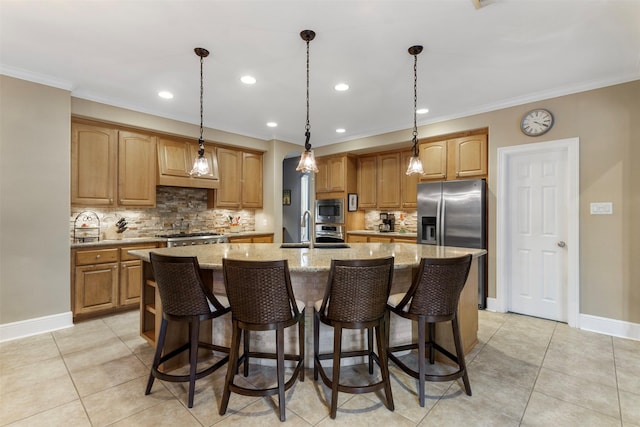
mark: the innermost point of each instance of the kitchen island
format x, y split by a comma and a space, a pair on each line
309, 270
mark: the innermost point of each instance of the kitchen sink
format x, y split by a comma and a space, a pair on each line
316, 246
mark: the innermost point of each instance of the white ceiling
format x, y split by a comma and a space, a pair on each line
508, 52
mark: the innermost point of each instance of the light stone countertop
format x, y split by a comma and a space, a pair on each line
407, 255
151, 239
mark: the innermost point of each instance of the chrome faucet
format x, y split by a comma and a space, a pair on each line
307, 221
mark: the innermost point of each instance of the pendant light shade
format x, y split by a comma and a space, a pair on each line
415, 165
307, 160
201, 164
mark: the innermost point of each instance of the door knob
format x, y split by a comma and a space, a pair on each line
561, 244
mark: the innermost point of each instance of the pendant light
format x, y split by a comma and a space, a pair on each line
307, 160
201, 164
415, 165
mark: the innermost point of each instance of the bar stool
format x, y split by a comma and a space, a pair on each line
432, 298
184, 298
261, 299
355, 298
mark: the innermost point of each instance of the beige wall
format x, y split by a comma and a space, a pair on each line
607, 121
34, 200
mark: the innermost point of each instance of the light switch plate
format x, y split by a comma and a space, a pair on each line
603, 208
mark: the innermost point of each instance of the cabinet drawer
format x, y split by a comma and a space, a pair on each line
124, 252
96, 256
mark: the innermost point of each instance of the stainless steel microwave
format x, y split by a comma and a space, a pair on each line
330, 211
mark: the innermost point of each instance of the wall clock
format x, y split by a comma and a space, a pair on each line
536, 122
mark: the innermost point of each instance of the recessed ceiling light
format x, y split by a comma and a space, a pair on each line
165, 94
341, 87
340, 130
272, 124
422, 110
248, 80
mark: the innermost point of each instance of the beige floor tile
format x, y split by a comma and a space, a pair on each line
34, 388
263, 412
596, 367
580, 391
83, 335
627, 357
17, 353
124, 323
630, 405
170, 414
497, 395
108, 350
454, 412
519, 347
494, 362
102, 376
545, 411
362, 411
405, 394
69, 414
122, 401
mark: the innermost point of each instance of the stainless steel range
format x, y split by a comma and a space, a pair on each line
192, 239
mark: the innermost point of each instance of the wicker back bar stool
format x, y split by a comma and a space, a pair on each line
355, 298
433, 297
261, 299
184, 298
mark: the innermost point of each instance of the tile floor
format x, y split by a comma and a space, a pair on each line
524, 372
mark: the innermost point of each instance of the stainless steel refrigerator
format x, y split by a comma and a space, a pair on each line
453, 213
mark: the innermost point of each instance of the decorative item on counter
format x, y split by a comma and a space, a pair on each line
122, 225
86, 227
234, 224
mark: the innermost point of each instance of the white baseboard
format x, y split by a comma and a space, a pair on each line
39, 325
492, 304
617, 328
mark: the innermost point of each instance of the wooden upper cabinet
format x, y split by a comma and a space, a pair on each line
388, 183
458, 158
175, 160
240, 180
251, 180
367, 179
136, 169
111, 167
408, 183
469, 156
332, 174
93, 165
433, 156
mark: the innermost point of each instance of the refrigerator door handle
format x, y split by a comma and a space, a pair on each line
442, 222
438, 223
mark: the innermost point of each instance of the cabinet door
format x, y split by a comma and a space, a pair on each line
467, 157
367, 181
388, 186
173, 159
379, 239
262, 239
408, 183
240, 240
354, 238
130, 282
251, 180
93, 165
322, 176
96, 288
229, 193
136, 169
433, 156
337, 168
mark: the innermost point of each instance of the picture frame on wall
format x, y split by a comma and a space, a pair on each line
286, 197
352, 205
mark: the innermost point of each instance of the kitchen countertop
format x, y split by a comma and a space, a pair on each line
384, 233
406, 255
151, 239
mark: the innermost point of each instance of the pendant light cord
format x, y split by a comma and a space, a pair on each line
307, 127
201, 140
415, 105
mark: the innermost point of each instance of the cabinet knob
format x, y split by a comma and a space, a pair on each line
98, 256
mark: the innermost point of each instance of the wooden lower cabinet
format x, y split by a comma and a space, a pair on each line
105, 280
266, 238
376, 238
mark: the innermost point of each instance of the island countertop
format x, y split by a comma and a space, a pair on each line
310, 260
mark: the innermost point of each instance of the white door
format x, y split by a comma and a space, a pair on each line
534, 214
537, 220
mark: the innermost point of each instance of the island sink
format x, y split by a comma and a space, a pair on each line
315, 245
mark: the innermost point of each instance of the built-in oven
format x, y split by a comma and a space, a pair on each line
329, 233
330, 211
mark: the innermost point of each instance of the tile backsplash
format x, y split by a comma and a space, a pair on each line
176, 207
405, 220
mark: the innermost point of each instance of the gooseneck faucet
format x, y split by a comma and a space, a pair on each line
307, 221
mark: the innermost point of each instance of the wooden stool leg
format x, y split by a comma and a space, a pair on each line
301, 339
421, 358
245, 344
335, 380
370, 349
384, 363
194, 329
432, 339
316, 343
231, 367
158, 354
280, 370
460, 355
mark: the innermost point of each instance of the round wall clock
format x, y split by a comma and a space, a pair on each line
536, 122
